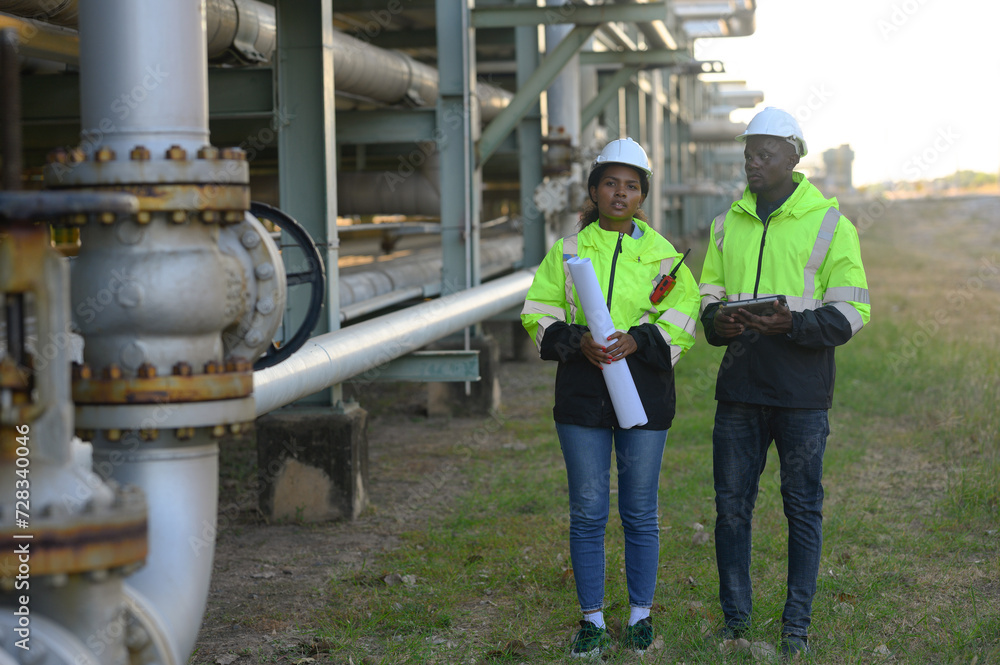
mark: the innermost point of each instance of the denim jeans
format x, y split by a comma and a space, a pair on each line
638, 453
742, 435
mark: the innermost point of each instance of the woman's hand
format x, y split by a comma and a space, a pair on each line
617, 347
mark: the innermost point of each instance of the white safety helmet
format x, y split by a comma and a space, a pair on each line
775, 122
624, 151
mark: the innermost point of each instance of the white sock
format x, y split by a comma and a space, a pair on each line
637, 615
596, 618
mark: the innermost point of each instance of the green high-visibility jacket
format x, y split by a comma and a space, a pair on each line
627, 268
808, 252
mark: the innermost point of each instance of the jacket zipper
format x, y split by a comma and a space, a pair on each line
614, 262
760, 257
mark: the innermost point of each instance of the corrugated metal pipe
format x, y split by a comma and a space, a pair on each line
237, 30
392, 77
337, 356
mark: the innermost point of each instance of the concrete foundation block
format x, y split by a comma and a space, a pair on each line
449, 399
313, 464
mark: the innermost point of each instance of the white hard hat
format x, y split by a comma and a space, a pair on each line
775, 122
624, 151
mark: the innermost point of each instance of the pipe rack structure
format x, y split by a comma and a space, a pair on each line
141, 131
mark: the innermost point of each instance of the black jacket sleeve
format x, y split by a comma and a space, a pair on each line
651, 348
708, 323
820, 328
562, 342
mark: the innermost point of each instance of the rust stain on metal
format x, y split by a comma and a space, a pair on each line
80, 548
163, 389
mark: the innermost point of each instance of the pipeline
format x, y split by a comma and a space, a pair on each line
337, 356
238, 31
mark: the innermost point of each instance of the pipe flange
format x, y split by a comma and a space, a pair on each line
73, 535
179, 436
104, 167
234, 380
154, 418
211, 188
251, 245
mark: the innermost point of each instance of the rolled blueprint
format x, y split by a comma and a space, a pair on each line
624, 396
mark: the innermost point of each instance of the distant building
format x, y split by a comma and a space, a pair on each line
839, 163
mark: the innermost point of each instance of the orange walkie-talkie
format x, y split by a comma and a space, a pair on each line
666, 283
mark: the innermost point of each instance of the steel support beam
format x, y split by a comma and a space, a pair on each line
529, 139
647, 59
513, 16
306, 149
527, 95
608, 91
433, 366
384, 126
457, 128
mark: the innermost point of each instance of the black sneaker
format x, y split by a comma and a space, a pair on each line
728, 633
794, 647
589, 641
639, 636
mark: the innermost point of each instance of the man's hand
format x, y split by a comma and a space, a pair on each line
618, 346
726, 326
773, 324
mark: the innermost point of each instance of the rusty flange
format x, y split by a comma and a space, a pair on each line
96, 540
231, 381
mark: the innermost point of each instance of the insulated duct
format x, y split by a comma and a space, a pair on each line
392, 77
711, 18
716, 130
368, 193
237, 30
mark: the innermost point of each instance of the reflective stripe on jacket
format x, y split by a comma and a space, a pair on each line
808, 252
554, 318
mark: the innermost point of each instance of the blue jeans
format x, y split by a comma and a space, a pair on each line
742, 435
587, 451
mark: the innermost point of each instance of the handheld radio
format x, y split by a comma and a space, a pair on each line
666, 283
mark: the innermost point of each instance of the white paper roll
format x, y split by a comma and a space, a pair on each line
624, 396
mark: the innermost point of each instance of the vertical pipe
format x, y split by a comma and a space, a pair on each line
10, 110
143, 75
564, 104
181, 487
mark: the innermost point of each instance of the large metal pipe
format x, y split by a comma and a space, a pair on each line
181, 487
337, 356
716, 130
392, 77
244, 29
423, 271
130, 95
369, 193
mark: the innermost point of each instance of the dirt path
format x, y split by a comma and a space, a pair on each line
268, 580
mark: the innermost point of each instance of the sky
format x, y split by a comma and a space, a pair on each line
913, 86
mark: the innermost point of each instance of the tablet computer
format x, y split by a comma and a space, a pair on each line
758, 306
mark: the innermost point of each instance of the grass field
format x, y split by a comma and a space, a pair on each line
910, 570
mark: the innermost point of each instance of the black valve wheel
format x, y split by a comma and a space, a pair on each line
314, 276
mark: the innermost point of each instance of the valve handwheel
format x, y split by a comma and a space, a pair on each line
314, 276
